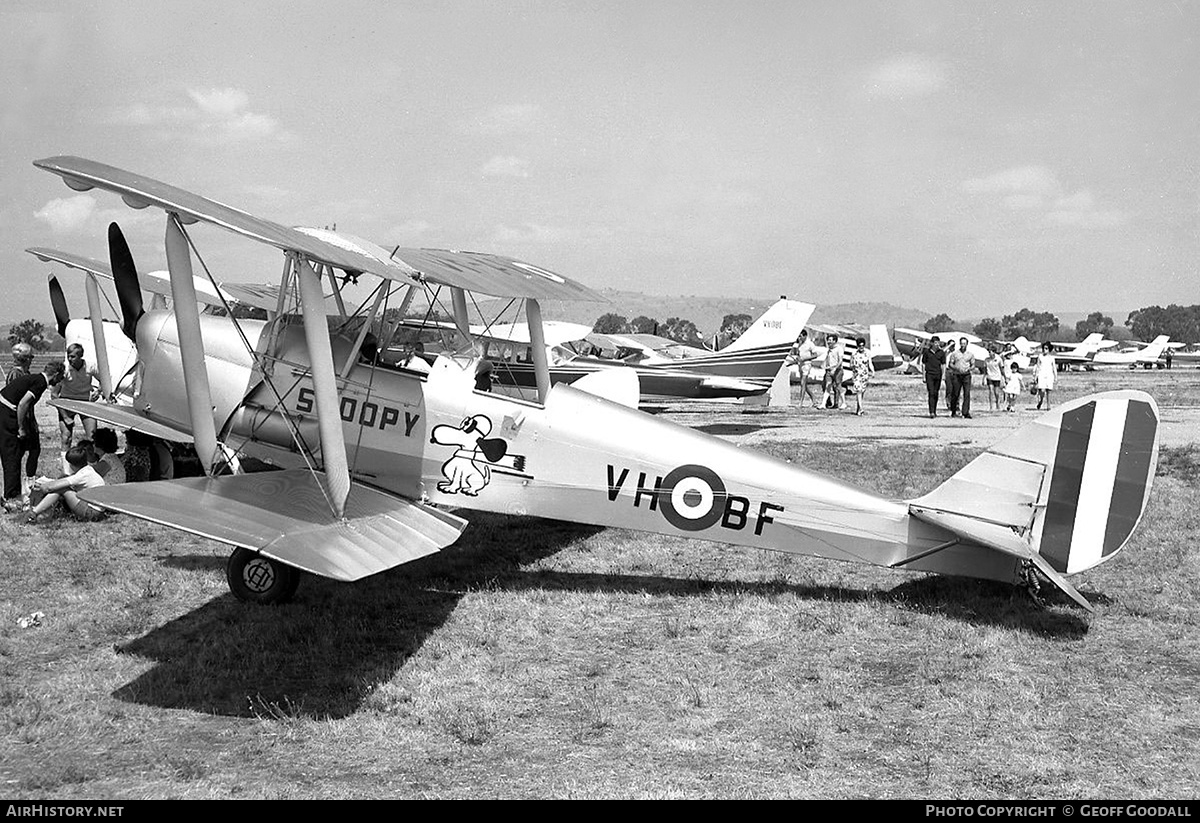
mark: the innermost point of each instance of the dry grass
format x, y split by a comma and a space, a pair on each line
542, 659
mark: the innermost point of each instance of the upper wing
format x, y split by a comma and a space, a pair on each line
493, 274
139, 192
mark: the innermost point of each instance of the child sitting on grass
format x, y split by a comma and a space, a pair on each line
65, 489
1013, 387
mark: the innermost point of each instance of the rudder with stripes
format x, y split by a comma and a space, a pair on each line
1098, 479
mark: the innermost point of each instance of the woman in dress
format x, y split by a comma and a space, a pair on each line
862, 371
1046, 369
995, 376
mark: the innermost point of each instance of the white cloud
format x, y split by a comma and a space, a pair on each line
81, 213
220, 103
1025, 180
505, 167
511, 118
67, 214
1021, 202
408, 230
910, 75
531, 233
1036, 190
220, 116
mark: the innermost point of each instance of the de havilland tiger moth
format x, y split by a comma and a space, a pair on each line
372, 459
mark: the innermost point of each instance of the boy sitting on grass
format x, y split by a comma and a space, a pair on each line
65, 489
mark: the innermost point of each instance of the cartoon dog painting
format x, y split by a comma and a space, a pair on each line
469, 469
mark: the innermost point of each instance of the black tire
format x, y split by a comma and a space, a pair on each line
256, 578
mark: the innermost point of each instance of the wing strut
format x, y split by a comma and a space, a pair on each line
537, 344
352, 357
337, 291
462, 322
329, 418
191, 344
98, 339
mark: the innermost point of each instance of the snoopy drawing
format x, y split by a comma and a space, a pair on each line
469, 469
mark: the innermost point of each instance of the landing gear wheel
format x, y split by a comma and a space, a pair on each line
255, 578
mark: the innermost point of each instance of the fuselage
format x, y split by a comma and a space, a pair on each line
577, 456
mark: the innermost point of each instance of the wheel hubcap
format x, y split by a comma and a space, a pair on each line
258, 575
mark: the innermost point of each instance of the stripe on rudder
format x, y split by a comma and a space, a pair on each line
1065, 480
1096, 485
1133, 474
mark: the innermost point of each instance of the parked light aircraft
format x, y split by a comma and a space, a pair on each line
572, 353
910, 341
365, 452
883, 354
1147, 357
1066, 354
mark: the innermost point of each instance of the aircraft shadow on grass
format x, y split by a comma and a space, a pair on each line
734, 429
322, 656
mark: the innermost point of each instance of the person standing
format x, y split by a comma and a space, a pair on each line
995, 377
933, 360
803, 354
960, 364
862, 373
1046, 369
76, 385
29, 448
1012, 389
833, 372
17, 402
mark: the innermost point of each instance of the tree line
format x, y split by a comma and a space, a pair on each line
1181, 323
679, 329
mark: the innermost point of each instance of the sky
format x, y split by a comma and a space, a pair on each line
954, 157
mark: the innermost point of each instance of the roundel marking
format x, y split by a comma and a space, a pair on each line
693, 497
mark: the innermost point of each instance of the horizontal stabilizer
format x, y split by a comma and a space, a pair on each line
999, 537
124, 417
285, 515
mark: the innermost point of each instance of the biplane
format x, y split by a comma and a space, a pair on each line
373, 464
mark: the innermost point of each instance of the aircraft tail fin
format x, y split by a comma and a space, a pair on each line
1157, 346
782, 323
1064, 492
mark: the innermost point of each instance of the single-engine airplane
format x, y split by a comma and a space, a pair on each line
371, 457
1147, 356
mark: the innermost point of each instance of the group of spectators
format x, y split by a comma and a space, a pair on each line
953, 366
829, 359
92, 461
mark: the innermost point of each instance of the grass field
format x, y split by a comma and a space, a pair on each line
540, 659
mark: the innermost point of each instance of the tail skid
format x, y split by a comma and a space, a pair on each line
1064, 493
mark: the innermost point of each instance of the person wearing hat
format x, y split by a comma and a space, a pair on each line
29, 448
17, 423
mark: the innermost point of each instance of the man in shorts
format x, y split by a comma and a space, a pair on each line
76, 385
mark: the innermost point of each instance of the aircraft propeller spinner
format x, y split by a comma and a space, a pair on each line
125, 278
